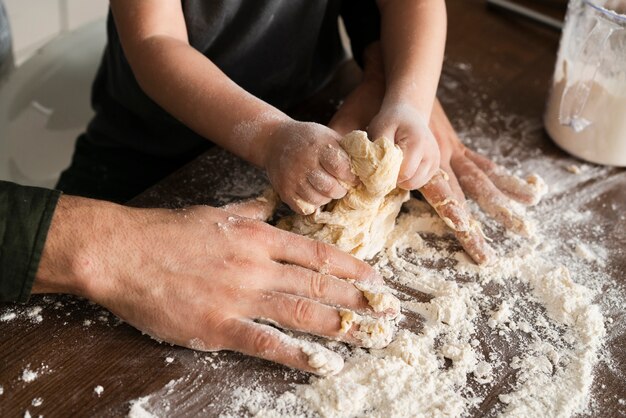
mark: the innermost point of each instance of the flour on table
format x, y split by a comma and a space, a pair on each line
29, 375
442, 370
9, 316
547, 304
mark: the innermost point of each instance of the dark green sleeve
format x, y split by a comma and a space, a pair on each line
25, 216
362, 20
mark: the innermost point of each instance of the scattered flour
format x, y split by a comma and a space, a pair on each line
37, 402
529, 329
34, 313
98, 390
9, 316
29, 375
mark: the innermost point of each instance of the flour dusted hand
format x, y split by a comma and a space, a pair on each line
208, 279
360, 222
306, 165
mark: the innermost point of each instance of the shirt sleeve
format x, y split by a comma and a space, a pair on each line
25, 217
362, 20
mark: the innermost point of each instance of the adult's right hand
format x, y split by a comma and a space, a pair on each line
201, 277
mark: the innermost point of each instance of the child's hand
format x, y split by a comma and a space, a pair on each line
410, 131
306, 165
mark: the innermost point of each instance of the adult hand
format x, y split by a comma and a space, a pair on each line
201, 277
306, 165
490, 185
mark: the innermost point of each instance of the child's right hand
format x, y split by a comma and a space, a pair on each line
306, 165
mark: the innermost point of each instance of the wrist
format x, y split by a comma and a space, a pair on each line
269, 134
397, 106
71, 261
406, 95
264, 128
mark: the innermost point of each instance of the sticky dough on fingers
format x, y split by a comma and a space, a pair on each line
528, 191
440, 196
494, 202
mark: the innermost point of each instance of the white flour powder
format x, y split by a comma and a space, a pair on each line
439, 370
519, 338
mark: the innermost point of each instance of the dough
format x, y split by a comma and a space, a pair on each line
359, 222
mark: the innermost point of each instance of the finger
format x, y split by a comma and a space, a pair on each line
260, 208
307, 193
451, 209
325, 184
324, 258
327, 289
478, 186
268, 343
317, 286
528, 192
411, 159
305, 315
455, 187
299, 314
423, 174
298, 204
337, 162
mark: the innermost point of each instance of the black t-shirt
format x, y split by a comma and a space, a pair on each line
279, 50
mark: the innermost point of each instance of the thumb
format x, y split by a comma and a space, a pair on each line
379, 127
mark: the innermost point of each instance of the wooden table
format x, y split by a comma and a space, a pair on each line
494, 63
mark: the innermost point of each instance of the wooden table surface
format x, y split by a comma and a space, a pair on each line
495, 63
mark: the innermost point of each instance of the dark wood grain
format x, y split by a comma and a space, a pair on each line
511, 64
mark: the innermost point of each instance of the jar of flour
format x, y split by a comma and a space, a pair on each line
586, 110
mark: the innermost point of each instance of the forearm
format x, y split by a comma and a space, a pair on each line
195, 91
413, 40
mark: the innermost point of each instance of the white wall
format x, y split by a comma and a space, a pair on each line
36, 22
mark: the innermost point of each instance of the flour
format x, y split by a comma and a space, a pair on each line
29, 375
37, 402
98, 390
34, 313
9, 316
412, 376
552, 308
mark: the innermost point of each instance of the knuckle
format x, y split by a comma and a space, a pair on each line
319, 285
302, 313
238, 261
263, 342
322, 252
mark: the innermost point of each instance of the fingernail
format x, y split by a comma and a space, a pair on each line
323, 361
369, 332
305, 207
380, 300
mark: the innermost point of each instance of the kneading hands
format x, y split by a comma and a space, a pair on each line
209, 278
458, 170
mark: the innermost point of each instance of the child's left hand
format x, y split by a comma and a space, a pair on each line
411, 133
